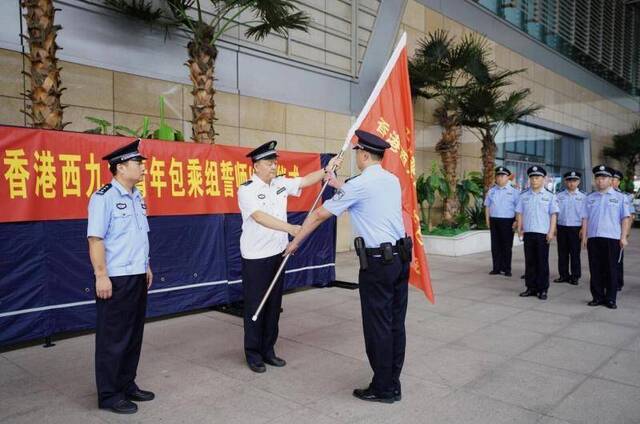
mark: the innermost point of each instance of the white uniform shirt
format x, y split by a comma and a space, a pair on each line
258, 241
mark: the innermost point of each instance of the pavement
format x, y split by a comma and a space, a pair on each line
481, 354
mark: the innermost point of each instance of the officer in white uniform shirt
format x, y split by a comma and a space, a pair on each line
263, 204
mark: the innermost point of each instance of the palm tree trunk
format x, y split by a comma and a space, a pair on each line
45, 109
448, 147
202, 57
489, 149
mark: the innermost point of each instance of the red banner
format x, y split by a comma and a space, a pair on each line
389, 114
50, 175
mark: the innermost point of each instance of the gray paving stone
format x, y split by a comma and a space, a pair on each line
463, 407
528, 385
624, 367
501, 339
455, 366
600, 401
540, 322
599, 332
568, 354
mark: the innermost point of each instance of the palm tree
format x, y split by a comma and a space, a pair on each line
626, 150
204, 27
486, 108
44, 108
443, 70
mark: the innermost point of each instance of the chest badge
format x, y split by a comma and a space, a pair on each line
261, 196
121, 205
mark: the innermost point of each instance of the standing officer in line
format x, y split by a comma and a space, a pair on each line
605, 217
536, 214
374, 202
263, 204
615, 183
570, 202
500, 205
119, 250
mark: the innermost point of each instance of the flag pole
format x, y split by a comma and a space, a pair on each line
365, 111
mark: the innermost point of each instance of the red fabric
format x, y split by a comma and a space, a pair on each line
391, 117
46, 175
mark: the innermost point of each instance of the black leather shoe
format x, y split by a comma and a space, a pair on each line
141, 396
397, 395
259, 368
507, 274
494, 272
573, 281
522, 277
275, 362
611, 305
594, 303
562, 280
123, 407
542, 295
369, 395
527, 293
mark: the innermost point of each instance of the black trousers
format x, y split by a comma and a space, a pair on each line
501, 230
536, 259
119, 330
383, 298
569, 251
260, 336
603, 266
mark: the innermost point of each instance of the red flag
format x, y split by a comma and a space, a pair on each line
389, 114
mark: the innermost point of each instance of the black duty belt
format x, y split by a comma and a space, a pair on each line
376, 251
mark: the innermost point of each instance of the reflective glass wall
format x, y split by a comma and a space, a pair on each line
521, 146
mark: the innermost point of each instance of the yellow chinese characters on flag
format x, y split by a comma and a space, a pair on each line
389, 114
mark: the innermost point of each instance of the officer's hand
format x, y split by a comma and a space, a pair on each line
333, 180
623, 242
550, 236
103, 287
521, 235
291, 249
294, 230
584, 242
149, 278
335, 161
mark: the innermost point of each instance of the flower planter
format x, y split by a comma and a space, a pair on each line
463, 244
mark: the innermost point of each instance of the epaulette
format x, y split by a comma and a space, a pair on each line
246, 183
548, 190
104, 189
281, 175
525, 190
351, 178
618, 190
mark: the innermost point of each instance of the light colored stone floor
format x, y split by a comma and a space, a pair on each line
480, 355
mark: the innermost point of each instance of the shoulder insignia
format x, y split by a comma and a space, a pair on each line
246, 183
548, 190
104, 189
351, 178
281, 175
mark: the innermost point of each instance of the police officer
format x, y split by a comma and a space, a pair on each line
373, 200
569, 224
263, 204
536, 214
500, 205
615, 183
119, 250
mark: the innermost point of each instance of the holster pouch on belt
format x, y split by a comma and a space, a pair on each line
361, 251
405, 246
387, 253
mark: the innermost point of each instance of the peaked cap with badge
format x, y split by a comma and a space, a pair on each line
265, 151
125, 153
